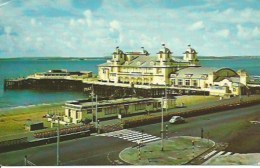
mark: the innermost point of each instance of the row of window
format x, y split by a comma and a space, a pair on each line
186, 82
146, 70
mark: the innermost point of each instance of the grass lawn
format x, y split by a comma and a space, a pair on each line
12, 120
177, 151
193, 100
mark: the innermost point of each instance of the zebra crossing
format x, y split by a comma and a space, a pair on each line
213, 154
133, 136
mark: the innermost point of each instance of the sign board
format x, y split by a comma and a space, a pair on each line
119, 116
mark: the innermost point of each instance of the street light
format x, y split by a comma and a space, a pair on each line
92, 103
166, 97
162, 127
58, 138
58, 142
96, 112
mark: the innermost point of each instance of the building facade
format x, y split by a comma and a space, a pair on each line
77, 111
141, 69
218, 81
61, 74
138, 68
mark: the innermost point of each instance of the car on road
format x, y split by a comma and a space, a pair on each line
176, 120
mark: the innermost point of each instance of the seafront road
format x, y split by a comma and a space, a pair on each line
231, 126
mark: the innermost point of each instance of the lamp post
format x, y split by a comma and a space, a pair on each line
96, 112
92, 104
58, 138
162, 127
166, 104
58, 142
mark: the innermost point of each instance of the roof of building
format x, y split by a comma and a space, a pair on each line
86, 104
29, 123
144, 61
190, 51
198, 72
164, 50
118, 51
231, 79
195, 72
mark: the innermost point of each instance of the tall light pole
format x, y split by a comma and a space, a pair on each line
166, 104
162, 127
58, 138
58, 142
92, 103
96, 112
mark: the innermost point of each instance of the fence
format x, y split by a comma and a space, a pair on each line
13, 142
63, 131
112, 127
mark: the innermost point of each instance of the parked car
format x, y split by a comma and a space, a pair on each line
176, 120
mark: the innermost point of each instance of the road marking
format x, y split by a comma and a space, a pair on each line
228, 153
109, 158
215, 154
130, 135
218, 154
210, 154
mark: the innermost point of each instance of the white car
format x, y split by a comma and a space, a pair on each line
176, 120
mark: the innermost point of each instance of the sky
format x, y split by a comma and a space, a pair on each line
93, 28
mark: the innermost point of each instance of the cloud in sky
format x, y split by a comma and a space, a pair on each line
94, 28
197, 26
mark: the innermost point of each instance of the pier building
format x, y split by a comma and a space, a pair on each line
218, 81
182, 75
61, 74
141, 69
79, 110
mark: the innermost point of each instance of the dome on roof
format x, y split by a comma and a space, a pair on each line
144, 51
190, 50
165, 50
118, 51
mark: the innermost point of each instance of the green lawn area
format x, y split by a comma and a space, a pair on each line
193, 100
12, 121
177, 151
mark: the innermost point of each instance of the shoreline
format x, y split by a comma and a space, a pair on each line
7, 109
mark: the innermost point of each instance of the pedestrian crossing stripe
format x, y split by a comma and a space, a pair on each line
210, 154
218, 154
213, 154
130, 135
228, 153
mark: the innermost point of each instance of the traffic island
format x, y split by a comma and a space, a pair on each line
177, 151
236, 159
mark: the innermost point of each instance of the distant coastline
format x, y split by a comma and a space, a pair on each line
108, 57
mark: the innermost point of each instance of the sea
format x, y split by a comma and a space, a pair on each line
22, 67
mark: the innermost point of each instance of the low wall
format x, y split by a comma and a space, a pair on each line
38, 142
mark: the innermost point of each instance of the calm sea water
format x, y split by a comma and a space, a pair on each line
24, 67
